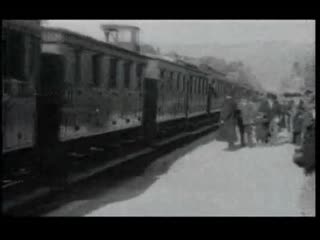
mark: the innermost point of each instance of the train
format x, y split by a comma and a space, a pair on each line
61, 87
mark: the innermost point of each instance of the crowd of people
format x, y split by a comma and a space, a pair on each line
260, 119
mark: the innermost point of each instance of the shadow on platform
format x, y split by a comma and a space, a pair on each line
100, 191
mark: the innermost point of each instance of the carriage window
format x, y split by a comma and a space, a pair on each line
205, 86
171, 79
162, 72
53, 71
172, 76
203, 89
96, 70
77, 74
34, 55
199, 85
183, 83
195, 85
192, 85
127, 67
14, 50
113, 73
178, 81
139, 71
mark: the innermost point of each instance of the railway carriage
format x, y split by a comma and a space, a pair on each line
99, 85
165, 98
179, 92
197, 94
219, 88
86, 89
20, 67
172, 89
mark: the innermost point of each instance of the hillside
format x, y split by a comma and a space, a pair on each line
270, 61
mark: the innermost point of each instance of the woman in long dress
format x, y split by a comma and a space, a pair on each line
229, 121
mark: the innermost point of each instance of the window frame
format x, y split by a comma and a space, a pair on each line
113, 73
15, 52
96, 68
127, 74
139, 74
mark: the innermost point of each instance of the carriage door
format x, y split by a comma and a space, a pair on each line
50, 99
150, 109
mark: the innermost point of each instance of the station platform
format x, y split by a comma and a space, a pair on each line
205, 179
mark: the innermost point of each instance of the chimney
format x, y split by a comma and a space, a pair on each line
122, 35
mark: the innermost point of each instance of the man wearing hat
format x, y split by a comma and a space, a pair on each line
270, 110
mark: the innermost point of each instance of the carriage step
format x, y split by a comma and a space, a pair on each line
95, 149
113, 145
9, 183
129, 141
21, 172
76, 155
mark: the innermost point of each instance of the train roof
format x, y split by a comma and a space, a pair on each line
26, 26
177, 62
119, 26
211, 70
53, 34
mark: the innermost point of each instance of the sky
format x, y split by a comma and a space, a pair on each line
203, 31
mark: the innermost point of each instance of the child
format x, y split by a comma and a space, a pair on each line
261, 130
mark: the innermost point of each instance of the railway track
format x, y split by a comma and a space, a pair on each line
31, 198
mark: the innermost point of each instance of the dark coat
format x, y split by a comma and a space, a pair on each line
307, 157
268, 111
261, 129
298, 122
228, 116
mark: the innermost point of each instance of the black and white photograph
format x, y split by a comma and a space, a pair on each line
158, 118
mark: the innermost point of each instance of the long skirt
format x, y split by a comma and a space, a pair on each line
262, 130
228, 131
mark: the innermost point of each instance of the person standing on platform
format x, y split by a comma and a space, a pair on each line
228, 121
297, 124
307, 116
289, 115
283, 112
261, 126
274, 126
248, 118
266, 110
240, 122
